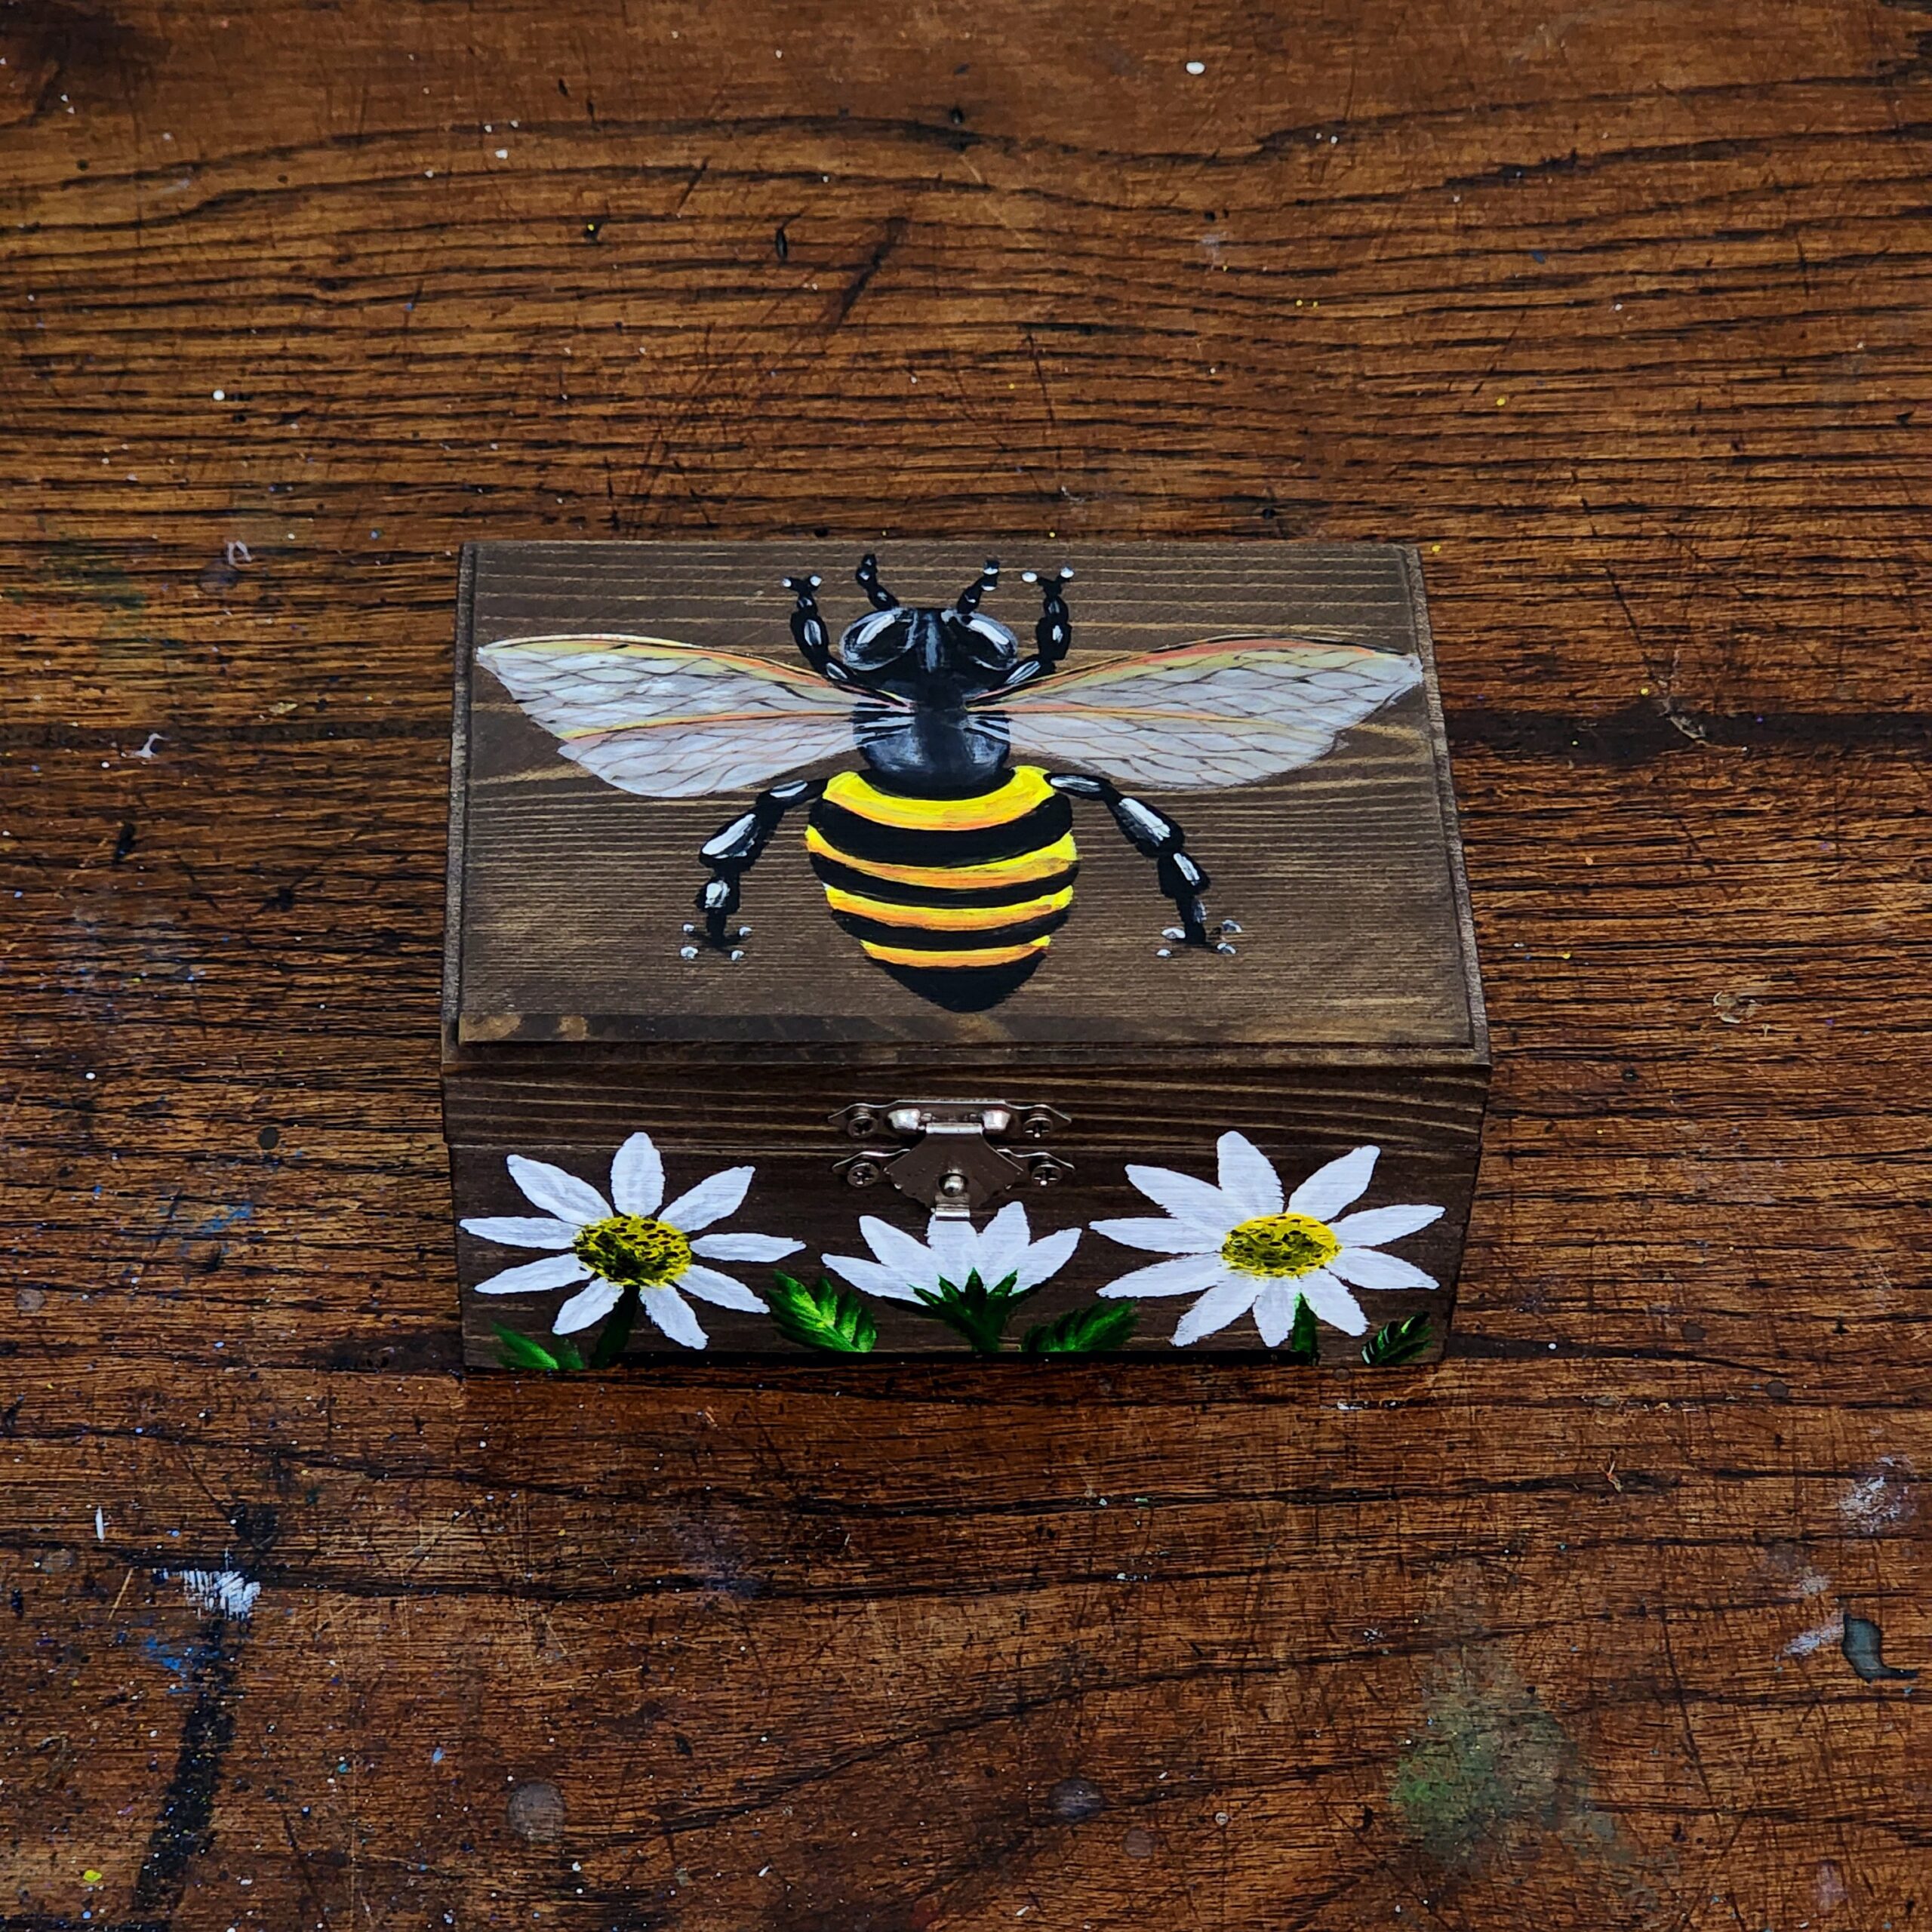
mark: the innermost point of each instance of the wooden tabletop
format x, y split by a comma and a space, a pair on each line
1609, 1621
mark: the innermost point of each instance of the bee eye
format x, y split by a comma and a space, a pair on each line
875, 640
989, 643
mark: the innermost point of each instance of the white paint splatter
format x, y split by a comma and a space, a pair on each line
1197, 67
218, 1592
100, 1526
147, 750
1876, 1502
1831, 1631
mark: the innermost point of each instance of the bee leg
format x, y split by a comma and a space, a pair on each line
1155, 836
730, 854
808, 630
1053, 635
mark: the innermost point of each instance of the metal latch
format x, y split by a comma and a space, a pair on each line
950, 1156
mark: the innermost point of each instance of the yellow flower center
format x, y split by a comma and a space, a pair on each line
633, 1251
1280, 1244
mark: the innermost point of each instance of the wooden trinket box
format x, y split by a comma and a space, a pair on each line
842, 960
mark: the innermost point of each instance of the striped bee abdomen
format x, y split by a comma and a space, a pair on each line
957, 898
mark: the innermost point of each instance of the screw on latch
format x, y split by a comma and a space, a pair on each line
946, 1155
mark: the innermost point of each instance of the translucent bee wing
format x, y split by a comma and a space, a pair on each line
1226, 712
666, 720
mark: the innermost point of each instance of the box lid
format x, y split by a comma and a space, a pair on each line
1267, 710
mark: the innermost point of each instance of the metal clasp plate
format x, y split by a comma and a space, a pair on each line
951, 1156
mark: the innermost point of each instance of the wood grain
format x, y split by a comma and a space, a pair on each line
1339, 873
569, 898
1549, 1634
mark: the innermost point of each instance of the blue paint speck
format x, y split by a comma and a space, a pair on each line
436, 1755
223, 1218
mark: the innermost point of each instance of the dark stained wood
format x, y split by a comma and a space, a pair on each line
1547, 1634
576, 894
799, 1196
570, 1017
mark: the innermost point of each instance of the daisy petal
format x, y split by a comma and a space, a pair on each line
670, 1313
896, 1249
637, 1176
870, 1277
1248, 1178
712, 1200
522, 1231
1368, 1268
587, 1305
708, 1284
1199, 1203
1275, 1313
745, 1247
1186, 1275
554, 1271
557, 1192
1328, 1190
1046, 1257
1374, 1225
1003, 1245
1160, 1237
955, 1247
1331, 1302
1216, 1309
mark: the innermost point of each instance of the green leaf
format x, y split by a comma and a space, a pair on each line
568, 1356
976, 1312
1302, 1349
616, 1331
1397, 1342
520, 1352
1085, 1331
826, 1317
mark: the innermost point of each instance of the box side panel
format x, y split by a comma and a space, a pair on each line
1452, 833
1427, 1127
452, 895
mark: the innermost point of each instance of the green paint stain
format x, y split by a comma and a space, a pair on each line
1491, 1762
98, 579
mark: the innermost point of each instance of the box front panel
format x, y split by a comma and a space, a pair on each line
1318, 1225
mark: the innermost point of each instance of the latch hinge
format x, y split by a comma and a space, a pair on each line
952, 1156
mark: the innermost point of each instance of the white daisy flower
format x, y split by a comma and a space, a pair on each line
1240, 1246
629, 1241
951, 1250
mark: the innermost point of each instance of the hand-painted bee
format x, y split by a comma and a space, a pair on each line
953, 867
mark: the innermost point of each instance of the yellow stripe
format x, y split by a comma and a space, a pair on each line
949, 918
991, 956
1042, 863
1026, 788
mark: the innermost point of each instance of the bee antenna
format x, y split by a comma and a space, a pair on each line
876, 593
988, 579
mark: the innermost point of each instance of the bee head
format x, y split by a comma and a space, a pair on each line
911, 649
